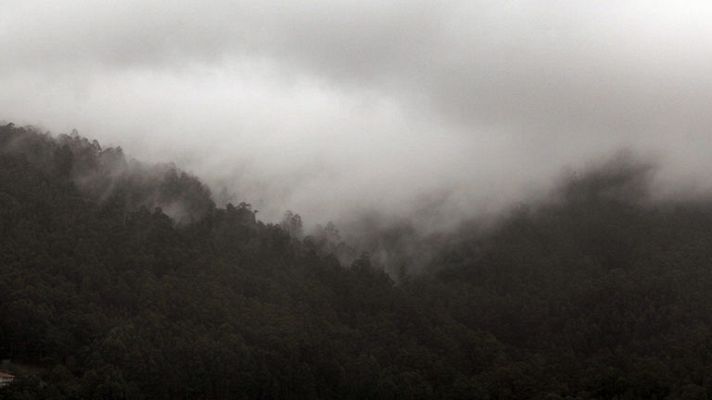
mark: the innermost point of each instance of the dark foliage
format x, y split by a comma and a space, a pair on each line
121, 281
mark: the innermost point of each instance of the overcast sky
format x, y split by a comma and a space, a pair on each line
330, 107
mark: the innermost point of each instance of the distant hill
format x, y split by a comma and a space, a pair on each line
120, 280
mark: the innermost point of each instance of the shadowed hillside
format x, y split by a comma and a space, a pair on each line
124, 281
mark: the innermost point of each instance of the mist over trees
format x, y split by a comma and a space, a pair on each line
120, 280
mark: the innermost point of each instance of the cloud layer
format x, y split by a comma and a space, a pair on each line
331, 108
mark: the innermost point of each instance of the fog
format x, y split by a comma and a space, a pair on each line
342, 108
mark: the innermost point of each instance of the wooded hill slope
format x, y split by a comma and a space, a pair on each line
125, 281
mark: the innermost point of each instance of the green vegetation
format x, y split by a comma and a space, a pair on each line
122, 281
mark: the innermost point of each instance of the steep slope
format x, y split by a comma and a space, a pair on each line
124, 281
108, 299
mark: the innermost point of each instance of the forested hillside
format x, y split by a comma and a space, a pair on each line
125, 281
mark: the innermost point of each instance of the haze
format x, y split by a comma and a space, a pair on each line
342, 107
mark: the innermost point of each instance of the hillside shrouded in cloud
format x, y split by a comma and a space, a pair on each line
355, 199
330, 108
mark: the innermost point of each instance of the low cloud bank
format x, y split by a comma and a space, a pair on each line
404, 109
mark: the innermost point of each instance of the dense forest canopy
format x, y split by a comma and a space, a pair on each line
120, 280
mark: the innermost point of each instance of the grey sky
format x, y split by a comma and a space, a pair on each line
331, 107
